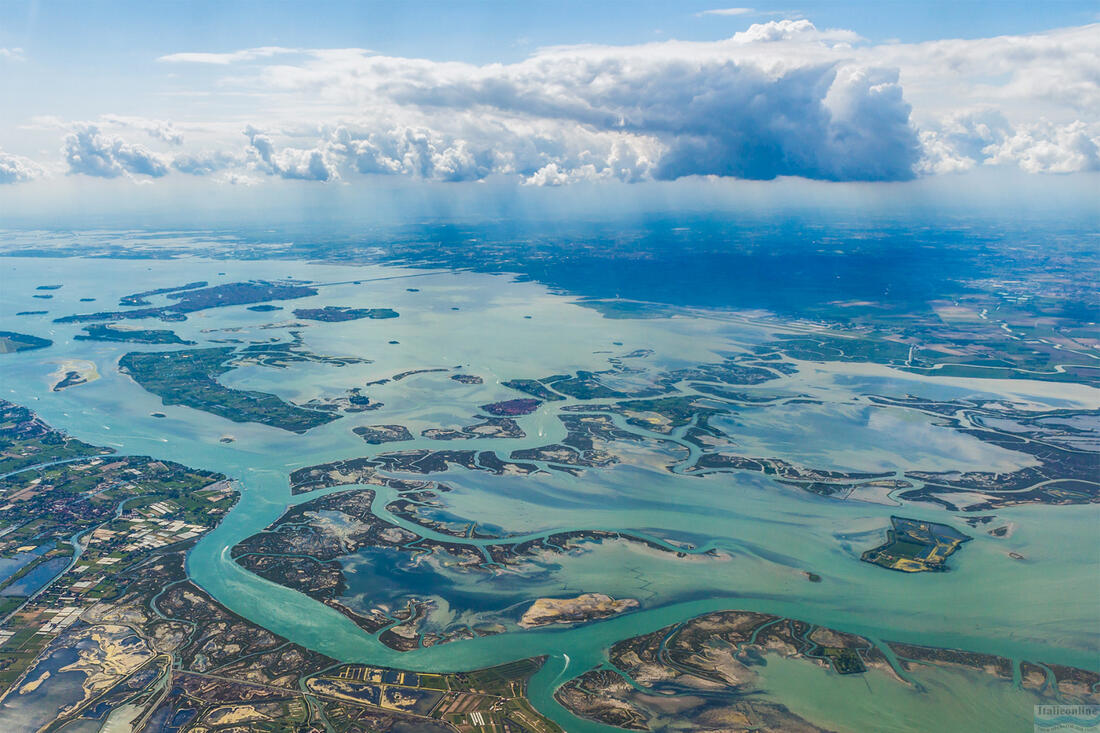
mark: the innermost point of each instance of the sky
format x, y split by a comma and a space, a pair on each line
124, 105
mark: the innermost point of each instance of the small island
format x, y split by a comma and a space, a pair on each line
913, 546
378, 434
338, 313
109, 332
512, 408
583, 608
74, 372
490, 427
11, 341
136, 299
192, 298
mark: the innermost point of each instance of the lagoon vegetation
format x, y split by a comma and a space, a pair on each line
109, 332
189, 377
11, 341
336, 314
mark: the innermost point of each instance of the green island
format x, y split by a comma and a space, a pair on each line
108, 332
378, 434
12, 341
189, 377
339, 313
489, 427
138, 299
914, 546
190, 300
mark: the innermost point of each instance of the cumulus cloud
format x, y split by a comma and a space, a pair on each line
91, 153
205, 162
783, 98
1048, 148
697, 109
290, 163
14, 54
156, 129
986, 137
413, 151
17, 169
480, 150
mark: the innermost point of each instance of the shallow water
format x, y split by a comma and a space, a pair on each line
767, 533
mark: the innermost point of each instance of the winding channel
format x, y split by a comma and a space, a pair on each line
263, 459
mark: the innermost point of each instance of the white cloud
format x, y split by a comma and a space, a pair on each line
782, 98
727, 11
290, 163
712, 109
89, 152
222, 59
1048, 148
1052, 74
205, 162
475, 152
986, 137
157, 129
17, 169
13, 54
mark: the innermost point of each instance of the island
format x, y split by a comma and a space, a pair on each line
74, 372
585, 607
108, 332
724, 653
189, 377
378, 434
490, 427
191, 300
914, 546
138, 299
336, 314
511, 408
311, 546
12, 341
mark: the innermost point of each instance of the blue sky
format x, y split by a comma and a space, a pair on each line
230, 95
108, 35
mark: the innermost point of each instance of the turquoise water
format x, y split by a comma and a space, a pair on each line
1043, 608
